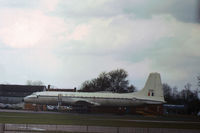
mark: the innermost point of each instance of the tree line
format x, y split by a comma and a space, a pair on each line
186, 96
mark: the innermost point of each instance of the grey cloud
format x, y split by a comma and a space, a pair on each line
177, 59
183, 10
19, 3
131, 37
174, 49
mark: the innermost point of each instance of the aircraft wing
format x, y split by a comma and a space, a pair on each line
82, 101
92, 103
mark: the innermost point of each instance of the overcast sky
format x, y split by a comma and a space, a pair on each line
65, 42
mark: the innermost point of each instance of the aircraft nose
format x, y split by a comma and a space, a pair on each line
24, 99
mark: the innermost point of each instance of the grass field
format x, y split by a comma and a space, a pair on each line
100, 120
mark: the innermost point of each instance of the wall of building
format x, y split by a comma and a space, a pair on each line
14, 94
10, 100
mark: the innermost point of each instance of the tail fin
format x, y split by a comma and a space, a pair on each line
153, 87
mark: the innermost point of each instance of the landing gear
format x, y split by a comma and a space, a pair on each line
81, 108
121, 110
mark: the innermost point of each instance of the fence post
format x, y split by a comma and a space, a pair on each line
2, 127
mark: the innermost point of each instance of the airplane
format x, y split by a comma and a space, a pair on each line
152, 93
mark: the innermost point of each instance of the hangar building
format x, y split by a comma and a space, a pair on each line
14, 94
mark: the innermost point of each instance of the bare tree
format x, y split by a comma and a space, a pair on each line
175, 92
198, 80
167, 92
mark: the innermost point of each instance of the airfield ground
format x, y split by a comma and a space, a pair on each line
111, 120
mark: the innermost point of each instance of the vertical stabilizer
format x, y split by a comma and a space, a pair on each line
153, 88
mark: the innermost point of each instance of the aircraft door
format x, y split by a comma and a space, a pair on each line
59, 100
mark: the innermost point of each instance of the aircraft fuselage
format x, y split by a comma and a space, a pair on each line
96, 99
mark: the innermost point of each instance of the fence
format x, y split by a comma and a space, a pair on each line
34, 128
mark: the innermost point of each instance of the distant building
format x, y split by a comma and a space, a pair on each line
13, 94
60, 89
174, 109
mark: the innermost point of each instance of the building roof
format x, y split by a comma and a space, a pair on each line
21, 88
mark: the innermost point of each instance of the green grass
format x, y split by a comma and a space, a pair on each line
100, 120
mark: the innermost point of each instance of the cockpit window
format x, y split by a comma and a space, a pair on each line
33, 95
